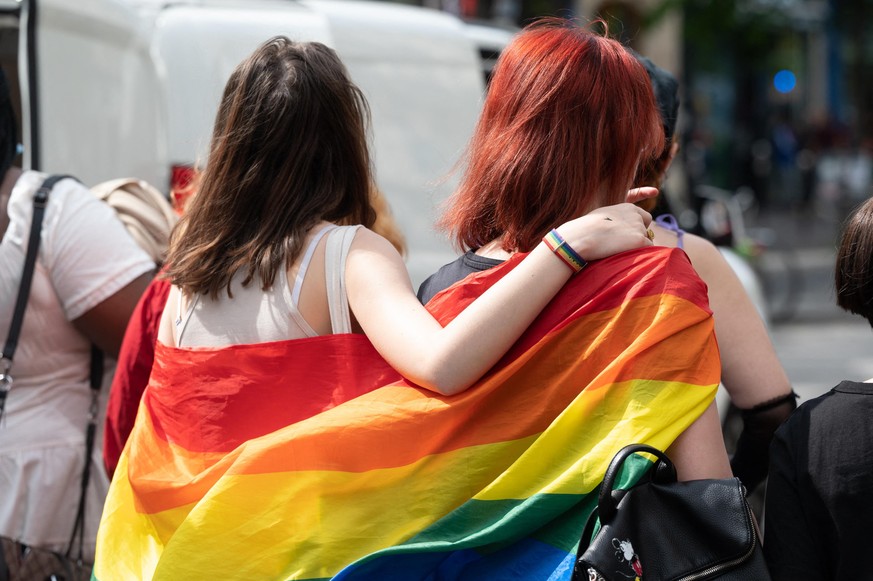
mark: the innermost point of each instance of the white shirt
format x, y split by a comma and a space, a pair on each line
85, 256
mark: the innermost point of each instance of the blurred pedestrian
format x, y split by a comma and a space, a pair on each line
818, 508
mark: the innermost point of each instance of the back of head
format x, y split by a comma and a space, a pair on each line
289, 149
568, 117
666, 90
8, 131
853, 276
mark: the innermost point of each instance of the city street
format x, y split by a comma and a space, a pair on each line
817, 354
820, 344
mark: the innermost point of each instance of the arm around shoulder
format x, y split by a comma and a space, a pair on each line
449, 360
446, 360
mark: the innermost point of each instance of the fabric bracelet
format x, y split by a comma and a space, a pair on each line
559, 246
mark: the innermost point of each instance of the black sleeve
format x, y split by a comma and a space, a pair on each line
793, 550
752, 455
425, 291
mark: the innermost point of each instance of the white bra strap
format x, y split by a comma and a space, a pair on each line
336, 253
182, 320
304, 262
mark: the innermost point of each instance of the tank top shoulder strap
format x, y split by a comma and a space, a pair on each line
336, 252
306, 260
669, 222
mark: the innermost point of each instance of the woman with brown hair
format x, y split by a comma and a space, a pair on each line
289, 157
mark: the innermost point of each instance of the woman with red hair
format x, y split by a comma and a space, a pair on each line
568, 120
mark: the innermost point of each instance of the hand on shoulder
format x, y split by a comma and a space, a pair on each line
607, 231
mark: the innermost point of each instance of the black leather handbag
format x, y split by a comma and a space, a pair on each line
664, 530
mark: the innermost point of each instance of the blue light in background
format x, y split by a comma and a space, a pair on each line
784, 81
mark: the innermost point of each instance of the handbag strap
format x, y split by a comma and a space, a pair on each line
96, 378
607, 500
40, 201
663, 471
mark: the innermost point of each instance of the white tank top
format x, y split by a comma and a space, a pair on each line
257, 316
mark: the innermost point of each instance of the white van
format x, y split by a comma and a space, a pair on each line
112, 88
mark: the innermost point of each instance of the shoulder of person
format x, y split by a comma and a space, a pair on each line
699, 247
20, 207
67, 196
705, 256
653, 263
366, 239
29, 182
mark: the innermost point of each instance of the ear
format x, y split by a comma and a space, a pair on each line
668, 159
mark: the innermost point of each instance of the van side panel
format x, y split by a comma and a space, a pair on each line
100, 114
197, 48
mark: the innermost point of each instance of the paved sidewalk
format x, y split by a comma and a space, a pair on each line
800, 263
819, 344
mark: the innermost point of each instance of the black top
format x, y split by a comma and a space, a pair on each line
452, 272
819, 506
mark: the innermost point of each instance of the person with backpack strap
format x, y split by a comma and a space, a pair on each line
88, 275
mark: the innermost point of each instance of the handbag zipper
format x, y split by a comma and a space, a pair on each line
716, 568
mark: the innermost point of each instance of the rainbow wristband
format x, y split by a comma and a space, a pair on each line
560, 247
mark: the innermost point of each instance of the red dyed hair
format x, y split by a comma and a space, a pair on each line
568, 117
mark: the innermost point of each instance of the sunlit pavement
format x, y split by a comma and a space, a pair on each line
818, 354
818, 343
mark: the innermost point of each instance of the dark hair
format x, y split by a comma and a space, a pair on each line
568, 116
853, 275
8, 129
666, 90
289, 149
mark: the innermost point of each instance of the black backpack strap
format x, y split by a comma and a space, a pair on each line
40, 201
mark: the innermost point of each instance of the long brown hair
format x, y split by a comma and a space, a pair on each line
568, 116
288, 150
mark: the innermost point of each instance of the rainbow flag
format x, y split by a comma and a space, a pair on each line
311, 459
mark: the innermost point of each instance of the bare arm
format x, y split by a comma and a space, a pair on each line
450, 359
105, 323
699, 451
751, 371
